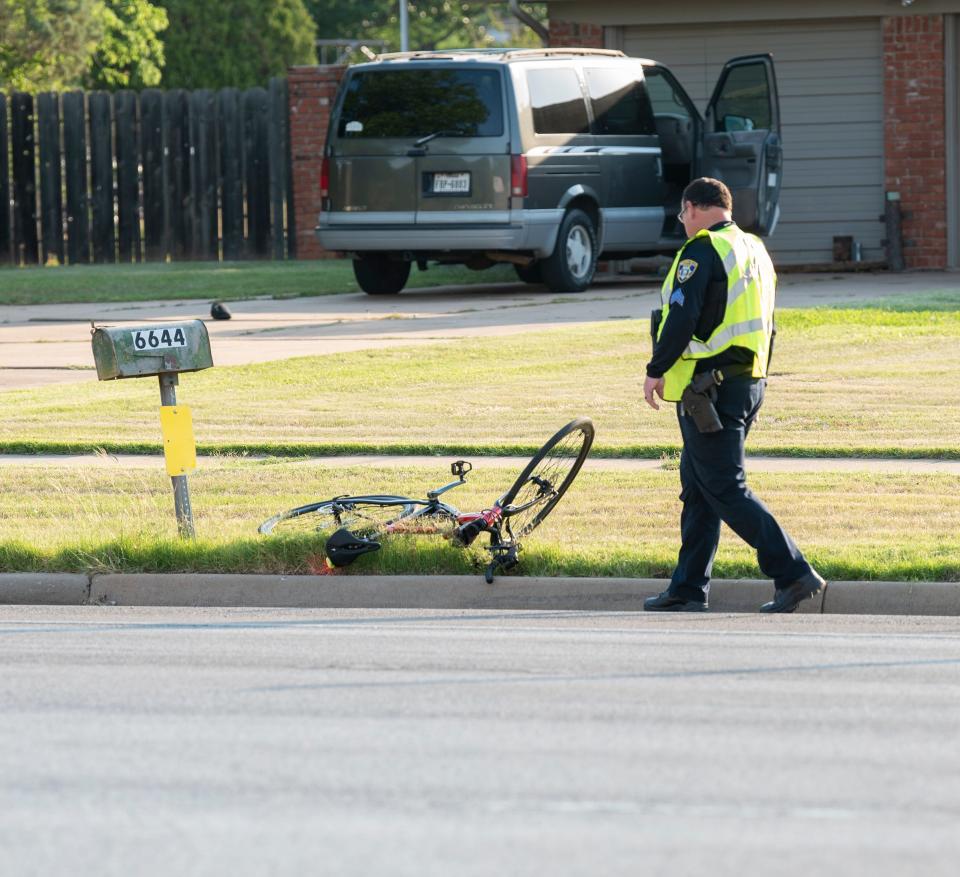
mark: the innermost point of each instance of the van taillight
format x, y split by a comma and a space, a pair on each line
518, 175
325, 178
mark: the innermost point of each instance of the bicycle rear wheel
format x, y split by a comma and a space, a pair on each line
362, 515
546, 478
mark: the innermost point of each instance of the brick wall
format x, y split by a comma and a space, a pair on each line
915, 131
574, 34
312, 90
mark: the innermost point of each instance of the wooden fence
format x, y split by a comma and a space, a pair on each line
151, 175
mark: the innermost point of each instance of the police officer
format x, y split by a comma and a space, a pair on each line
716, 324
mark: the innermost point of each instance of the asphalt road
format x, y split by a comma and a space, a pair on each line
140, 742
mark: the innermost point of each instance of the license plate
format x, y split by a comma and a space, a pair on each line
446, 183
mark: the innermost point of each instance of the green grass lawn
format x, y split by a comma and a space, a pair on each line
227, 281
845, 382
616, 524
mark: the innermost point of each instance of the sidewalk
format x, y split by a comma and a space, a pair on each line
441, 462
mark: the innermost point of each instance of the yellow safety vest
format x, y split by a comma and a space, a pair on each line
748, 318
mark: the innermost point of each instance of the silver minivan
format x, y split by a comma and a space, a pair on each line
549, 159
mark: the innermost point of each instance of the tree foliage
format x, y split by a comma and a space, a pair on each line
54, 45
130, 52
47, 44
239, 43
434, 24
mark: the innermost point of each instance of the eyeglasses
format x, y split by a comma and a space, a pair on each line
682, 212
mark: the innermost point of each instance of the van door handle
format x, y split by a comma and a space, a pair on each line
416, 153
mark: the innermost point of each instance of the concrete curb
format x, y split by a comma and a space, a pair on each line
891, 598
454, 592
52, 589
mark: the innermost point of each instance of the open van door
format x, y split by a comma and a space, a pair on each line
741, 141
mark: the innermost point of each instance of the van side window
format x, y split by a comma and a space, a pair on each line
620, 103
558, 105
674, 118
415, 103
744, 102
665, 95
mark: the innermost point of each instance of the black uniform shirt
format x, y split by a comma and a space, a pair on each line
697, 303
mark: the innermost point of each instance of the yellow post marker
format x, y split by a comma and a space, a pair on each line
179, 446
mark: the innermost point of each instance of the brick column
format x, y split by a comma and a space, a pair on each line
312, 90
572, 34
915, 132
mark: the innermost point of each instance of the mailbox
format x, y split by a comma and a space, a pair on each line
140, 351
162, 350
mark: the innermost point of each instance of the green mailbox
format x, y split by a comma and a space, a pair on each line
162, 350
140, 351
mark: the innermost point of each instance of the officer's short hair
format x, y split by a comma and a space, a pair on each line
708, 192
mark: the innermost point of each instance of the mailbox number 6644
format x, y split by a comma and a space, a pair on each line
153, 339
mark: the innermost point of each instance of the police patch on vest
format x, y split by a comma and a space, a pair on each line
677, 297
686, 269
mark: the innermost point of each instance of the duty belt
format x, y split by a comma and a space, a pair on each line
732, 371
736, 371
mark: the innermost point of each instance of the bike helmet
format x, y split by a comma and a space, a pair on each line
344, 547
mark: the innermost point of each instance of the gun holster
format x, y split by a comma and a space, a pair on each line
698, 398
656, 315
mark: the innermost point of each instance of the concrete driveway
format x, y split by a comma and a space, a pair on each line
44, 344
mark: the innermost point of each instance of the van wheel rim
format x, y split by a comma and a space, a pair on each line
579, 251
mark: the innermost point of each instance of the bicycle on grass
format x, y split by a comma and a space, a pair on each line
359, 522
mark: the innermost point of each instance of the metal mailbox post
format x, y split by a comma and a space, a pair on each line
164, 350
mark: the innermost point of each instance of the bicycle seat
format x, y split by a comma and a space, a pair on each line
344, 547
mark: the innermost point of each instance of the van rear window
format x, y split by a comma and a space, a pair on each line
415, 103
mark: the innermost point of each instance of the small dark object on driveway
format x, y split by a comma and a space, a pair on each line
219, 311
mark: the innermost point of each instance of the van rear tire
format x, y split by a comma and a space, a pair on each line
573, 262
378, 275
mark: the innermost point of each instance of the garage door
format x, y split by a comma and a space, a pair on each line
831, 98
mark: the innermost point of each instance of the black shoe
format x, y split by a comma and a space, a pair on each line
666, 602
788, 598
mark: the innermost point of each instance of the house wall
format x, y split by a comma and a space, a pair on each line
311, 94
571, 33
952, 136
915, 133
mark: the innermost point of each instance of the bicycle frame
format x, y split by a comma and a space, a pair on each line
489, 517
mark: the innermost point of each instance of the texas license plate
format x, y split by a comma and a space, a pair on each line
451, 183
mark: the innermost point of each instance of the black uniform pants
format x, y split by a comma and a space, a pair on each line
714, 489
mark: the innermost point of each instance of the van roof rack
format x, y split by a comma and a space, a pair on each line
434, 54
